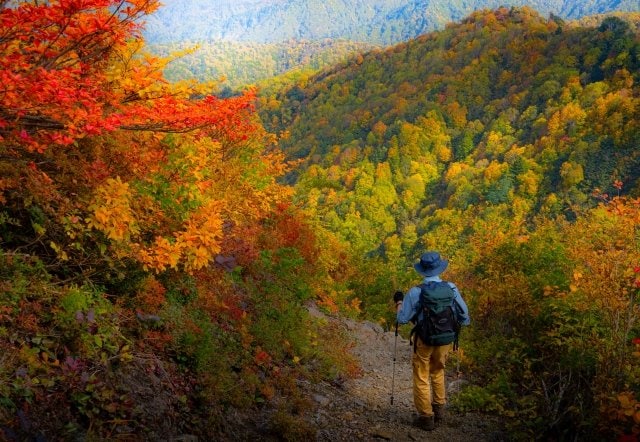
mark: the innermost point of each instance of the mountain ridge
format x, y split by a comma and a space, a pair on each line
372, 21
470, 116
245, 63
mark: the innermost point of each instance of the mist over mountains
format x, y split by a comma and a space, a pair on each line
374, 21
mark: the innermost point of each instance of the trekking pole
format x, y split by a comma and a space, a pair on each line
393, 374
458, 355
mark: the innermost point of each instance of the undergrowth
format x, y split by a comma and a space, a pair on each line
165, 359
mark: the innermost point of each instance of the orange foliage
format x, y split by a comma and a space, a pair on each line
58, 87
51, 68
291, 230
152, 295
84, 117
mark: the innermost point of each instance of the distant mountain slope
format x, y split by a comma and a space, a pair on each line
506, 113
243, 63
374, 21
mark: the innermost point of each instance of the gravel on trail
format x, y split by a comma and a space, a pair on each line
360, 409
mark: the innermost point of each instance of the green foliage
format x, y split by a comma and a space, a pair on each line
478, 141
545, 337
476, 398
148, 282
542, 260
239, 64
280, 316
216, 355
58, 335
74, 344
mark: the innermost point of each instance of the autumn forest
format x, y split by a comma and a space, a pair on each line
161, 241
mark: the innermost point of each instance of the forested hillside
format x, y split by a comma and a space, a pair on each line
373, 21
245, 42
508, 142
237, 64
506, 109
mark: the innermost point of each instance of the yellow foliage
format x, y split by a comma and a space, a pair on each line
494, 171
333, 173
383, 172
196, 245
393, 248
313, 171
443, 153
571, 173
497, 143
200, 240
551, 203
614, 114
457, 113
134, 72
454, 170
529, 182
514, 153
566, 120
415, 184
520, 207
111, 210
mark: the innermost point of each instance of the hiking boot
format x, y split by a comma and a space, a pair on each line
439, 413
425, 422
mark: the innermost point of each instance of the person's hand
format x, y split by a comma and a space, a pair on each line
398, 297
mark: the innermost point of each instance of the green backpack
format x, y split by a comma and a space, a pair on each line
438, 325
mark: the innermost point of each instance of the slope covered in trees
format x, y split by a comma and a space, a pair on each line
247, 42
239, 64
505, 109
508, 142
373, 21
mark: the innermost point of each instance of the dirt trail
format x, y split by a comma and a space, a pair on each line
360, 409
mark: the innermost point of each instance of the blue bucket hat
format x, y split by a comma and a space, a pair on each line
431, 264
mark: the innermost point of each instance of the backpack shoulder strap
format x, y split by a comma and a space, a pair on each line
451, 284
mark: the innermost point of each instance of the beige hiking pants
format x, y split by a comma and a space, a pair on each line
428, 374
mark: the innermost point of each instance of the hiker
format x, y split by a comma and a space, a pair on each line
429, 357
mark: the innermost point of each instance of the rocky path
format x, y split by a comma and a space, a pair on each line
360, 409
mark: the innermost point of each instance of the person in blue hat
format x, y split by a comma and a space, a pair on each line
429, 361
